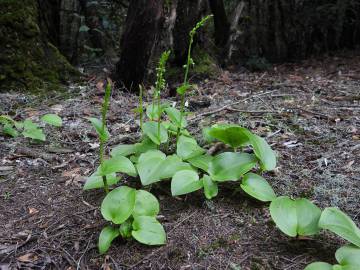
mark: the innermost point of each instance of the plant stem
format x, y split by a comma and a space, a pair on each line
106, 186
141, 108
182, 102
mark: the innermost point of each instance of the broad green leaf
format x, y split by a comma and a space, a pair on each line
187, 148
173, 129
107, 235
231, 166
117, 164
147, 230
126, 228
206, 135
149, 166
257, 187
263, 152
232, 135
28, 125
32, 130
308, 215
183, 89
123, 150
96, 181
145, 145
210, 187
348, 255
52, 119
184, 182
151, 130
118, 204
146, 204
319, 266
201, 162
154, 166
171, 165
102, 133
130, 149
175, 117
283, 212
295, 217
9, 130
333, 219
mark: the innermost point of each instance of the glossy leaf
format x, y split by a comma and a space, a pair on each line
231, 166
183, 89
146, 204
145, 145
147, 230
171, 165
123, 150
232, 135
102, 133
187, 148
184, 182
32, 130
295, 217
201, 162
117, 164
257, 187
319, 266
107, 235
348, 255
175, 117
154, 166
263, 152
52, 119
96, 181
210, 187
333, 219
118, 204
149, 166
151, 130
9, 130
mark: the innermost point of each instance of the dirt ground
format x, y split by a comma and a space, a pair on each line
309, 112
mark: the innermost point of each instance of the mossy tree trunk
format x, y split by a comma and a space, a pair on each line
143, 22
29, 61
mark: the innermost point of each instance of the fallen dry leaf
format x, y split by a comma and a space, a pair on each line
29, 257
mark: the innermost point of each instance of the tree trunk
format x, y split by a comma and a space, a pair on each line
188, 13
143, 23
222, 26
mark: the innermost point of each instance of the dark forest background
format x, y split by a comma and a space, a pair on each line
42, 41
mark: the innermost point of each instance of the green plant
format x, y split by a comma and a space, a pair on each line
295, 217
132, 213
347, 256
185, 86
28, 128
333, 219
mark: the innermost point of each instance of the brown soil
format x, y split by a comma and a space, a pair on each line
309, 112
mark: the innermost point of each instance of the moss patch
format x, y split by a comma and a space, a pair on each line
28, 61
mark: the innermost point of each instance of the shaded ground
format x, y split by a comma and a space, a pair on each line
309, 112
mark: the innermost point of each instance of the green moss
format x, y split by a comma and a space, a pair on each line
205, 67
27, 61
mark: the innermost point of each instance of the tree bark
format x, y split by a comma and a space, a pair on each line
143, 22
188, 13
222, 26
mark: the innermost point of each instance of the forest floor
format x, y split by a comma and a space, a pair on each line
309, 112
